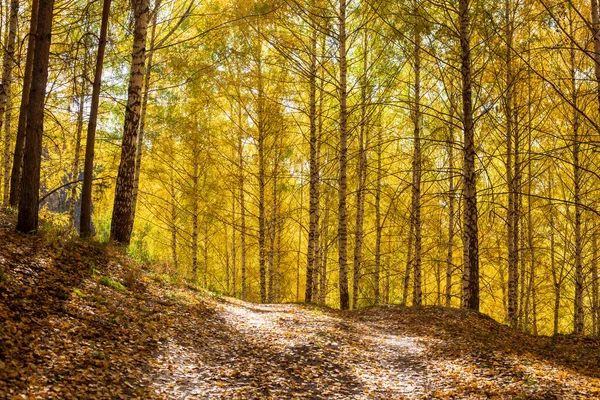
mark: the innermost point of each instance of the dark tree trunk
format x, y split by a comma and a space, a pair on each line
30, 182
15, 176
85, 223
5, 95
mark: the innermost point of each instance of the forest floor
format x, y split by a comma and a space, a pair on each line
80, 320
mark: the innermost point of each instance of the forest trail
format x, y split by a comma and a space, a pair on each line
280, 350
79, 320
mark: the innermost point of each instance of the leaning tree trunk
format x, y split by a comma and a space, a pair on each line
5, 94
144, 106
343, 160
85, 222
123, 209
15, 176
30, 187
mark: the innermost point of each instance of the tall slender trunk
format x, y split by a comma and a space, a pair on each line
123, 209
409, 262
15, 176
261, 126
299, 233
78, 133
313, 230
85, 222
205, 253
5, 94
233, 247
470, 292
557, 277
195, 212
378, 223
596, 55
325, 250
343, 159
511, 218
173, 219
362, 178
242, 199
595, 303
30, 183
578, 320
144, 107
273, 234
451, 203
416, 171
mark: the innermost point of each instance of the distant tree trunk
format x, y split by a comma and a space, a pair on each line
325, 250
378, 224
261, 126
416, 170
578, 323
15, 176
242, 199
173, 219
343, 159
470, 295
361, 172
451, 204
595, 299
30, 183
144, 107
557, 281
85, 222
205, 253
409, 262
78, 133
233, 247
313, 230
195, 213
299, 233
5, 93
273, 234
123, 210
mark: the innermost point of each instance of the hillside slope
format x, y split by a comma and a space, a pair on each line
78, 320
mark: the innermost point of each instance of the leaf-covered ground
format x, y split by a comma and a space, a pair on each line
78, 320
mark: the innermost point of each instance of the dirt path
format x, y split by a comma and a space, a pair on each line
285, 351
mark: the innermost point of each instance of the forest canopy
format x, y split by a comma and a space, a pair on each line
343, 152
